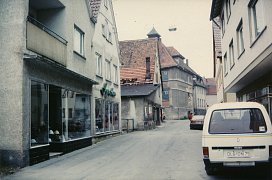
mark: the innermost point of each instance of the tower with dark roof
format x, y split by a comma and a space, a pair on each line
153, 33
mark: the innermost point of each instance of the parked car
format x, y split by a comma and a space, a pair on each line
236, 134
197, 122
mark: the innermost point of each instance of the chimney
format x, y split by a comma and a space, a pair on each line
186, 62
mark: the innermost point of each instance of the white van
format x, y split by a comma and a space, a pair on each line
236, 134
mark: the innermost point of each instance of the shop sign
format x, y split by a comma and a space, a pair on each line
107, 92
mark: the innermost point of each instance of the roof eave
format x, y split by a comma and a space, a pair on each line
216, 8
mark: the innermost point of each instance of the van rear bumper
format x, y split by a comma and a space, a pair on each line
207, 162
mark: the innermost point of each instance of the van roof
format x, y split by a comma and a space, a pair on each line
231, 105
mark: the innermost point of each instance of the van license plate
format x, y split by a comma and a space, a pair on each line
237, 154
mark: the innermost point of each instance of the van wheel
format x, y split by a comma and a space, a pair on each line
209, 170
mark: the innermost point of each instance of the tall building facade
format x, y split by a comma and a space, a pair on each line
246, 48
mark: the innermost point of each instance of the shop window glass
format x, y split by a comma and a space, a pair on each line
79, 121
69, 115
116, 116
39, 114
108, 117
56, 114
99, 115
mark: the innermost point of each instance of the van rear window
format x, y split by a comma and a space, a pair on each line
237, 121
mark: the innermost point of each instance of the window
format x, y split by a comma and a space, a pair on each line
147, 65
39, 114
98, 64
233, 121
231, 54
240, 38
104, 33
110, 37
108, 70
223, 23
99, 115
107, 117
78, 123
70, 113
165, 75
228, 9
77, 120
115, 74
78, 41
115, 116
165, 94
257, 24
225, 64
106, 3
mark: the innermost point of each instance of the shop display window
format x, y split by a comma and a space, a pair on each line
99, 115
106, 116
115, 116
77, 120
69, 115
39, 114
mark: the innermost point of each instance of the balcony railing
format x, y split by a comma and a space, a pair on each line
45, 42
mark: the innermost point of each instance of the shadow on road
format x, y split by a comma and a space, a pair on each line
244, 173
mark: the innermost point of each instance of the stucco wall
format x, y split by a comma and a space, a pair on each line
248, 60
139, 110
12, 39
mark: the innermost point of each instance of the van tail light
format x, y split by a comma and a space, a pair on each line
270, 151
205, 151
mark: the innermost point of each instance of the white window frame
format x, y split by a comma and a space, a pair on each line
98, 64
108, 69
225, 64
231, 54
110, 37
257, 20
106, 3
240, 38
223, 23
115, 74
78, 36
104, 30
228, 9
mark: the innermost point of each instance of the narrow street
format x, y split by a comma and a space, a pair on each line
172, 151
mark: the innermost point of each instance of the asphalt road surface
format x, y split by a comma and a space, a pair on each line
169, 152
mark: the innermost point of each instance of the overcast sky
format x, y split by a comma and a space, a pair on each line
193, 37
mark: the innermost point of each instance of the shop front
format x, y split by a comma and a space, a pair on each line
60, 120
263, 95
106, 116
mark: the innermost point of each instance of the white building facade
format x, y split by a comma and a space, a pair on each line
246, 48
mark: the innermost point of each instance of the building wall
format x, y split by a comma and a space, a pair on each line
12, 124
17, 69
200, 102
126, 111
180, 88
253, 49
107, 50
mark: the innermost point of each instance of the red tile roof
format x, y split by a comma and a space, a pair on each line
165, 57
174, 52
133, 56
